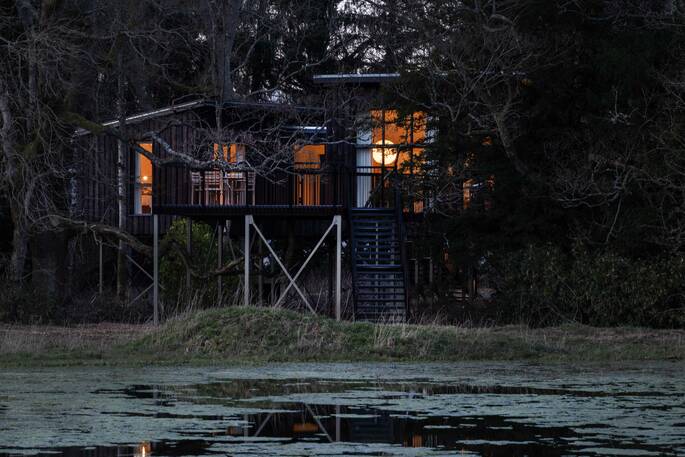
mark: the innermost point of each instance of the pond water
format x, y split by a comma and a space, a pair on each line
345, 409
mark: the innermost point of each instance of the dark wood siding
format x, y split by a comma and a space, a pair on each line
95, 183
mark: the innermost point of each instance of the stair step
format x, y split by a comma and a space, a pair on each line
377, 259
381, 267
398, 278
390, 211
384, 221
378, 273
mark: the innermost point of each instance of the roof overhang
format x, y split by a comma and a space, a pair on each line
355, 78
146, 115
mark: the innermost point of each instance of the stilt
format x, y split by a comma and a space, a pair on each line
101, 277
338, 260
331, 268
220, 260
155, 268
189, 248
337, 423
260, 276
246, 255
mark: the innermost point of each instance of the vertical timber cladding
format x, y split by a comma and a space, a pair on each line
95, 158
172, 182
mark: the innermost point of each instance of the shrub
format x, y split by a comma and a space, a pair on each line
25, 305
543, 285
203, 292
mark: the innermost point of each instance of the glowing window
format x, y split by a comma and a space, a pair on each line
307, 178
397, 141
237, 152
142, 200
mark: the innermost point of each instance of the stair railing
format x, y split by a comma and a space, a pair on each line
353, 258
378, 189
399, 217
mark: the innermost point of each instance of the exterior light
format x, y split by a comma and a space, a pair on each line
390, 154
143, 450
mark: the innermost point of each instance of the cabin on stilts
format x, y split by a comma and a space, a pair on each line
344, 176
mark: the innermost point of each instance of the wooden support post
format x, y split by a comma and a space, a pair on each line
101, 277
220, 260
260, 275
338, 266
337, 423
246, 255
155, 268
189, 248
331, 253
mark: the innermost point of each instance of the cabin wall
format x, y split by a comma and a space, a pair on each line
94, 187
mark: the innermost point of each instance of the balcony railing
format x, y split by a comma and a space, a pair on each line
302, 185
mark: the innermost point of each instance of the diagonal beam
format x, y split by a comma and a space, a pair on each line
261, 427
318, 422
306, 262
278, 260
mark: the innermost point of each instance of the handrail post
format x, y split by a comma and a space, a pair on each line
155, 269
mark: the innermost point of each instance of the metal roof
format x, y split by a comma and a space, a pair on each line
196, 103
355, 78
146, 115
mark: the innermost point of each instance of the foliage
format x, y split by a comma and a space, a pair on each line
26, 305
543, 285
203, 259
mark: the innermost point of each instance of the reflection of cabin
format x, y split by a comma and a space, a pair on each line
281, 165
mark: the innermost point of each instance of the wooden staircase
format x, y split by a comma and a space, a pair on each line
378, 265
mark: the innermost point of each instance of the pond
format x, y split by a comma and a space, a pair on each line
480, 409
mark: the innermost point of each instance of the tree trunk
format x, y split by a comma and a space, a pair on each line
48, 263
122, 264
19, 233
228, 19
20, 244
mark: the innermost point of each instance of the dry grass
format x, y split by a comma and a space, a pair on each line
18, 339
247, 334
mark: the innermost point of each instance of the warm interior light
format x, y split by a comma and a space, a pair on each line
389, 153
144, 178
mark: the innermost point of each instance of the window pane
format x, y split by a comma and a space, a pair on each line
143, 182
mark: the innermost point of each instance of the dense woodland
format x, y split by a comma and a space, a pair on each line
576, 107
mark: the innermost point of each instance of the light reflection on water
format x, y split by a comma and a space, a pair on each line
342, 409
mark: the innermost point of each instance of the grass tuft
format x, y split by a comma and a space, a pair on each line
256, 335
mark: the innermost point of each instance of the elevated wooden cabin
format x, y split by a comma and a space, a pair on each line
358, 163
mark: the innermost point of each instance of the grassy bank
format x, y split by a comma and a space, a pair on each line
251, 335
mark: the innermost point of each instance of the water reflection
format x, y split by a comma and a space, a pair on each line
345, 417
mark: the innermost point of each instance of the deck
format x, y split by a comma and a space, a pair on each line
275, 211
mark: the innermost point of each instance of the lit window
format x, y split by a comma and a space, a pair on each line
307, 178
142, 200
237, 152
468, 188
397, 142
221, 187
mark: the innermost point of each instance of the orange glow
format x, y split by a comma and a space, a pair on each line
388, 129
309, 155
384, 155
416, 441
145, 164
305, 427
466, 187
143, 450
237, 152
308, 184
